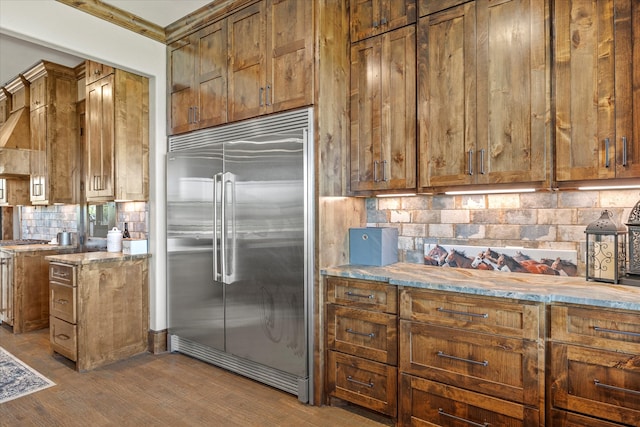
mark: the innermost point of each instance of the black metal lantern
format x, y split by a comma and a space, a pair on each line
633, 270
606, 249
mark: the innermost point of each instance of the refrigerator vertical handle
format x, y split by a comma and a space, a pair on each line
229, 250
217, 240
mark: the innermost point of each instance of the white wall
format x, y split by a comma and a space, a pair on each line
65, 28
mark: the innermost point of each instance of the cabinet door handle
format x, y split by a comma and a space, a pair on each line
1, 193
462, 313
375, 170
470, 160
464, 420
196, 115
62, 301
383, 21
482, 161
384, 171
362, 334
624, 151
606, 153
612, 387
615, 331
63, 336
369, 384
352, 294
461, 359
267, 97
260, 91
375, 24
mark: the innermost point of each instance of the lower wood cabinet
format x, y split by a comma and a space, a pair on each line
99, 310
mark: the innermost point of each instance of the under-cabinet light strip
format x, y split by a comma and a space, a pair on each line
510, 190
610, 187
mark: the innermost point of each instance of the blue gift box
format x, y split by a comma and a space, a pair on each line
373, 246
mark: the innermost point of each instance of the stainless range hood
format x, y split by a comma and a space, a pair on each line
15, 140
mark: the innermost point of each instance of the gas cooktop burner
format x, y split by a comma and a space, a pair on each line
22, 242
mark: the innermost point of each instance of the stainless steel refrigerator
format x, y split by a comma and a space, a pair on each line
239, 248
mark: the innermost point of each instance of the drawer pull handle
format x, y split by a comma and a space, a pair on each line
612, 387
462, 313
615, 331
62, 301
364, 334
58, 274
369, 384
475, 362
352, 294
441, 412
63, 336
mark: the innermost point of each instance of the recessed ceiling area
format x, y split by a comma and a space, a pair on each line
17, 55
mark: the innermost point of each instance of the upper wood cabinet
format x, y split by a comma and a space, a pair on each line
117, 138
14, 192
373, 17
198, 79
5, 105
94, 71
483, 94
597, 75
55, 166
270, 58
383, 112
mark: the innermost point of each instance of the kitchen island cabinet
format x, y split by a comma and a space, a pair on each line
99, 307
117, 137
24, 290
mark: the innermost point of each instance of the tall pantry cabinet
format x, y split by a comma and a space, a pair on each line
117, 138
597, 75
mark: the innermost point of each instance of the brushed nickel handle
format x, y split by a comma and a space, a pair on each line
267, 98
375, 24
482, 161
383, 21
607, 162
615, 331
462, 313
624, 151
470, 160
353, 294
363, 334
63, 336
375, 170
464, 420
384, 171
369, 384
461, 359
260, 91
612, 387
62, 301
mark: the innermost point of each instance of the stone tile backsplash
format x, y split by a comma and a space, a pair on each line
549, 220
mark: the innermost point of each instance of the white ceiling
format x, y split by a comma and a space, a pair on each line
16, 55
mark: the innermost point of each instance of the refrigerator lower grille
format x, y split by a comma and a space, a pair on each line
273, 377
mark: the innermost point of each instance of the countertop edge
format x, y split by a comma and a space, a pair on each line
84, 258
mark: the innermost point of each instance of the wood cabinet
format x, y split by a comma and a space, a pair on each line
95, 71
383, 108
117, 138
462, 352
90, 298
55, 165
5, 105
362, 343
594, 366
372, 17
198, 79
270, 58
597, 73
14, 192
483, 93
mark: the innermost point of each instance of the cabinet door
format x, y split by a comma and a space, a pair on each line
99, 155
372, 17
290, 55
247, 66
211, 76
94, 71
512, 92
38, 93
181, 57
383, 130
597, 131
447, 96
39, 177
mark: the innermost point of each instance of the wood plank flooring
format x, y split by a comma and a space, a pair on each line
156, 390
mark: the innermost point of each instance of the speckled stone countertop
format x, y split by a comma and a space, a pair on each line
94, 257
36, 247
531, 287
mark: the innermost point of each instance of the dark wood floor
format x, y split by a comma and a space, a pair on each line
155, 390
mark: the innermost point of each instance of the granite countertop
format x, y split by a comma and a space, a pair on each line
94, 257
530, 287
36, 247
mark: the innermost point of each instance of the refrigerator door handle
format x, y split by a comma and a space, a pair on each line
229, 252
217, 240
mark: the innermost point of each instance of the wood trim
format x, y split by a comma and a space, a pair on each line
119, 17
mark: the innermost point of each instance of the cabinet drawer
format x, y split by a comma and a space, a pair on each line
600, 383
612, 329
62, 273
508, 368
362, 293
363, 382
63, 338
424, 402
569, 419
63, 302
484, 314
368, 334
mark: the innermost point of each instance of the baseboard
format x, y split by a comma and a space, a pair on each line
158, 341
